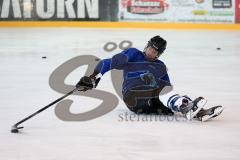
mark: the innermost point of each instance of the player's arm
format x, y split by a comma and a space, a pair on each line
118, 61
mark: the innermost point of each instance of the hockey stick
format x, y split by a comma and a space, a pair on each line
15, 127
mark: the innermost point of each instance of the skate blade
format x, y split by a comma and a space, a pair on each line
192, 113
216, 113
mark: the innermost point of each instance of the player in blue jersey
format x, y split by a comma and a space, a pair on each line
145, 76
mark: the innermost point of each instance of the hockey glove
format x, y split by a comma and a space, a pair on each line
148, 79
87, 83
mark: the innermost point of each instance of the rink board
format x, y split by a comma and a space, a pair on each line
141, 25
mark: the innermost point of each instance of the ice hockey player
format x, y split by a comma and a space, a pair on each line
144, 78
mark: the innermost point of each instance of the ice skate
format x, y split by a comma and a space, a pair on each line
191, 109
208, 114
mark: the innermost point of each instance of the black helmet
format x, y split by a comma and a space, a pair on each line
158, 43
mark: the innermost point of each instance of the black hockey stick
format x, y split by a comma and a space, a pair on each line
15, 127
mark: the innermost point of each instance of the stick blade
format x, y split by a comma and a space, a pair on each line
15, 129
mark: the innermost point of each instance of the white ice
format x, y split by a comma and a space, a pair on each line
195, 66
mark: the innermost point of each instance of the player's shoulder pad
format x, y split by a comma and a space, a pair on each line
132, 50
160, 62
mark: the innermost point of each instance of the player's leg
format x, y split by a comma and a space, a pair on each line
137, 102
184, 104
149, 106
158, 106
141, 106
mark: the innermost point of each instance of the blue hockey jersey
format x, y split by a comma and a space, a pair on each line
134, 63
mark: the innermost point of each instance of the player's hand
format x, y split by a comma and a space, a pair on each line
149, 79
87, 83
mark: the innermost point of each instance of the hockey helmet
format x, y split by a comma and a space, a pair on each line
158, 43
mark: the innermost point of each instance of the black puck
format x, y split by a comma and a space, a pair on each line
218, 48
14, 130
44, 57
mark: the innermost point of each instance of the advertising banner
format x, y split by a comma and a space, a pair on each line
210, 11
237, 12
67, 10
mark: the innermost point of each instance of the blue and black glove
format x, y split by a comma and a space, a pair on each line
149, 79
87, 83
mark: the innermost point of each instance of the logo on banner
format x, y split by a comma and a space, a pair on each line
222, 3
145, 6
49, 9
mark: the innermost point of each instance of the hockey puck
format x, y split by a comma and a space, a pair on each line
218, 48
14, 130
44, 57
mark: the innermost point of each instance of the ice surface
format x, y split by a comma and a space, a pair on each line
195, 66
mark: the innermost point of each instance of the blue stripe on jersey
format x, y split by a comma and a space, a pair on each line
134, 74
